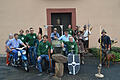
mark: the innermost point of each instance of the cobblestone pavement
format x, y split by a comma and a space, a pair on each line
87, 72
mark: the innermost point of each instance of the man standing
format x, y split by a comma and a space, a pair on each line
43, 49
80, 42
27, 32
15, 43
54, 35
36, 44
38, 41
76, 31
70, 31
30, 38
86, 35
105, 43
21, 36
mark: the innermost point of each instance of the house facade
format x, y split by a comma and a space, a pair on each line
23, 14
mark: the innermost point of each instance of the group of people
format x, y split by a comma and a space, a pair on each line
38, 46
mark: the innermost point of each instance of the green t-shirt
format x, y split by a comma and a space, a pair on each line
22, 37
71, 46
43, 48
30, 38
70, 31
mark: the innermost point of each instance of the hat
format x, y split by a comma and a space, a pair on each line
103, 31
84, 26
55, 29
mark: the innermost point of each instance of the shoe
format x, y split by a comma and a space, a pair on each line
36, 67
7, 64
31, 65
70, 73
51, 74
39, 74
14, 65
83, 62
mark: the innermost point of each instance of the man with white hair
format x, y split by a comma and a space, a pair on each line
71, 45
7, 50
13, 44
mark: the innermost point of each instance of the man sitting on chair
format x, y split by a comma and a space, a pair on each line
43, 49
54, 35
71, 46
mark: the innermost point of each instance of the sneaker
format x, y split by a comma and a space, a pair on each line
70, 73
31, 65
83, 62
7, 64
51, 74
39, 74
14, 65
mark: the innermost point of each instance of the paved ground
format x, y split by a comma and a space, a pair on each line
87, 72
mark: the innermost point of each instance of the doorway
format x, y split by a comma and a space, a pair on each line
58, 19
63, 16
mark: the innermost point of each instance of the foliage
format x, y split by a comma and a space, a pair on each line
117, 55
114, 50
94, 51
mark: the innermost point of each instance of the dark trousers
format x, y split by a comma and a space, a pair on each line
86, 44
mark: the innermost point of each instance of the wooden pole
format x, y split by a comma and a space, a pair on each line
99, 75
88, 33
100, 47
46, 26
49, 58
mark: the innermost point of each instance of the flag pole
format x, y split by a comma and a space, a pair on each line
88, 33
99, 75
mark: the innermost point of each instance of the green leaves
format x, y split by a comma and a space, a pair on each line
94, 51
117, 55
114, 50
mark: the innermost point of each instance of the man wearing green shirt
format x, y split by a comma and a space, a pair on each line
71, 46
43, 49
30, 38
70, 31
21, 36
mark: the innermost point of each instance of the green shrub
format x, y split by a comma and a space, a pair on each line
115, 49
94, 51
117, 55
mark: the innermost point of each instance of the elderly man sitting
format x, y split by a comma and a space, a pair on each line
71, 46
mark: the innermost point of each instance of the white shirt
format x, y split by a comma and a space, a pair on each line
86, 34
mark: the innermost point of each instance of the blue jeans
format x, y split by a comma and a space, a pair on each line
32, 50
66, 50
15, 56
39, 62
